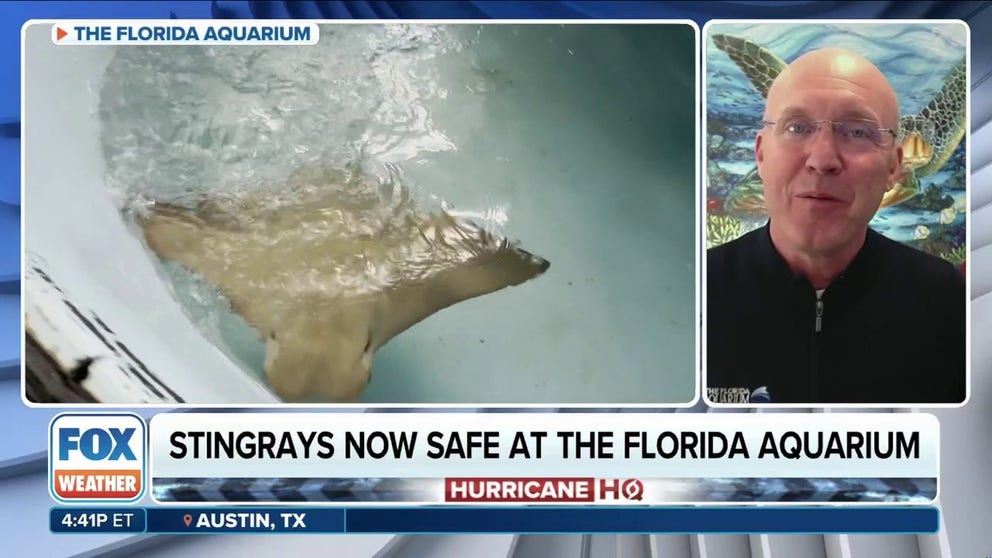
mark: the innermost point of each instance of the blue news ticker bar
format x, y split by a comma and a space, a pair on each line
643, 520
845, 520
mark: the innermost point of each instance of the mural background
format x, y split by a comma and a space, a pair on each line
925, 64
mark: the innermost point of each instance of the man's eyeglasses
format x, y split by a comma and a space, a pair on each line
857, 134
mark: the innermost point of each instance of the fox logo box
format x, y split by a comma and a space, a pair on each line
97, 457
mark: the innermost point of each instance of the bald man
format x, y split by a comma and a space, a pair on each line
816, 307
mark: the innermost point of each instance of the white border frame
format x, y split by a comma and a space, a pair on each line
968, 187
537, 407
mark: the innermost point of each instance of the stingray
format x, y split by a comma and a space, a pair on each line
331, 268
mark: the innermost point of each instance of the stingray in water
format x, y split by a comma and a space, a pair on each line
333, 267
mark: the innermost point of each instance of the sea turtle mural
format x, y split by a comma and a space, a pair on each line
928, 138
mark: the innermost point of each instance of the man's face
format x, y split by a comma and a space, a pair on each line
821, 187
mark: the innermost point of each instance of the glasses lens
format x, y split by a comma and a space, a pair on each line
852, 133
861, 133
796, 128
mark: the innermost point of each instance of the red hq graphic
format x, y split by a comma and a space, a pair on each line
631, 490
541, 489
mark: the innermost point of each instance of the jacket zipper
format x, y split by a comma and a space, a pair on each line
814, 372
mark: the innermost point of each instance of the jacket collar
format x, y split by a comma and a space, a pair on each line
863, 265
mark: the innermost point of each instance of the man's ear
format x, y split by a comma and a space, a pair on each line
759, 152
895, 173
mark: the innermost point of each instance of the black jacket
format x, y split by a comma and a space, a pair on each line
891, 329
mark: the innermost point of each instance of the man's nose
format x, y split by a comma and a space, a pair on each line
822, 156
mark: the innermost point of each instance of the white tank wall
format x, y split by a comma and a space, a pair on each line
72, 225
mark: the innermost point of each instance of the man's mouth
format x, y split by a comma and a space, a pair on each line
819, 196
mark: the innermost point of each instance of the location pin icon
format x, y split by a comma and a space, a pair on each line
187, 519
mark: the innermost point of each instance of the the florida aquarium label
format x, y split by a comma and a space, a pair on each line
179, 32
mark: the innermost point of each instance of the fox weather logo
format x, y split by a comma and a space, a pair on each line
97, 457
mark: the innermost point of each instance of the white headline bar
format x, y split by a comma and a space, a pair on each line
650, 445
184, 32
